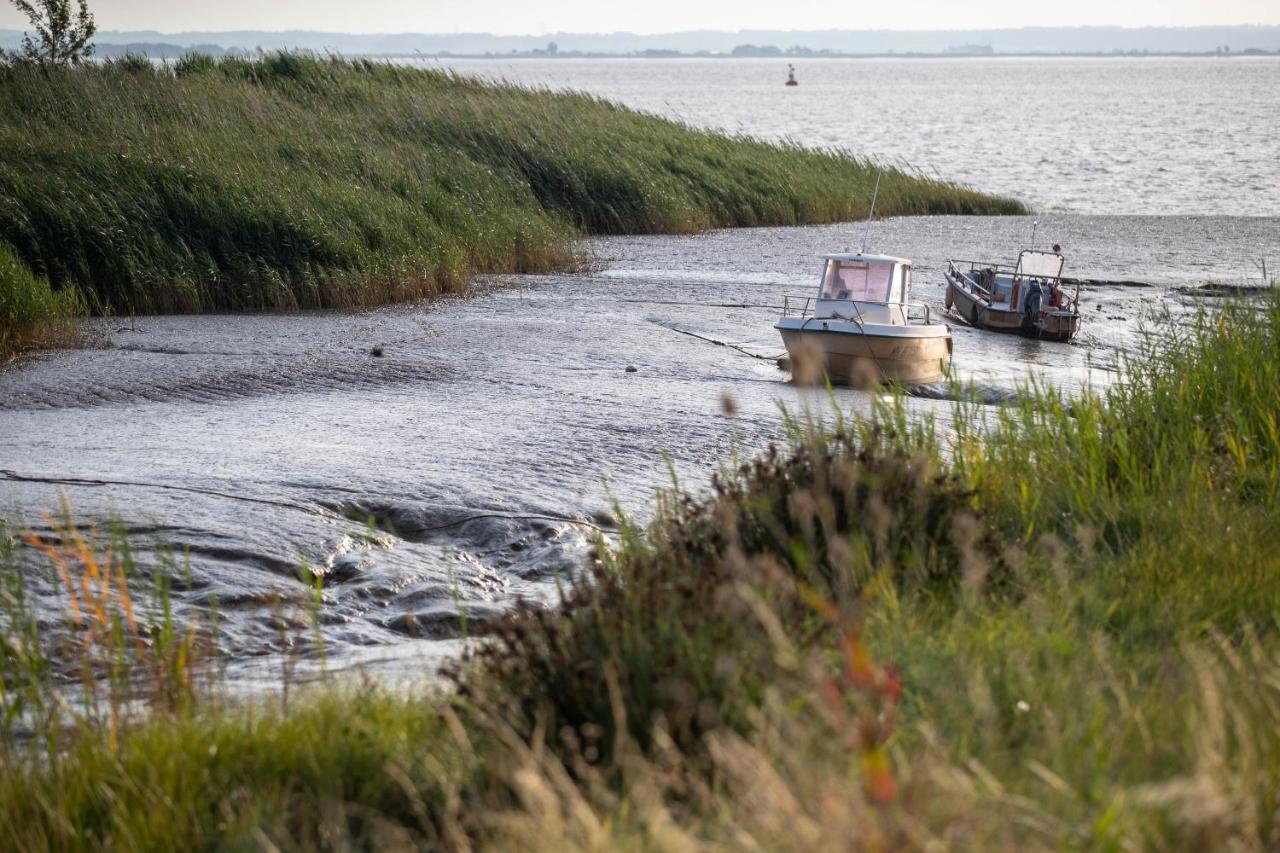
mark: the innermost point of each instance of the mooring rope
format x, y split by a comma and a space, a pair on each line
744, 351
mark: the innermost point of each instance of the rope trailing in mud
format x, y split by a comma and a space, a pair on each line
702, 304
744, 351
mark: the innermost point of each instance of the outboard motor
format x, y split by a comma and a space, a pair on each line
1036, 297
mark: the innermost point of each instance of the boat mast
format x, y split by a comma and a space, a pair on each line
871, 214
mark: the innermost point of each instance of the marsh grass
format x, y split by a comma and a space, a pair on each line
115, 647
290, 181
33, 315
1049, 626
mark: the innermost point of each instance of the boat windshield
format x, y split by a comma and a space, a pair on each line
857, 281
1045, 264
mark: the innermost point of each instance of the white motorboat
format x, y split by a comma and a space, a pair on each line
861, 328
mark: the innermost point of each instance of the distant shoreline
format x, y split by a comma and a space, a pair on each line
1083, 41
166, 51
796, 57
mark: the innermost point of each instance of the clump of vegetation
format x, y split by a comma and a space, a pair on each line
785, 542
290, 181
115, 649
1049, 628
32, 313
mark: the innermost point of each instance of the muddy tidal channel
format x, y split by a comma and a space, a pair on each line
475, 459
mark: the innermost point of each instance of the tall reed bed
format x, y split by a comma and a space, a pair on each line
32, 313
1050, 627
290, 181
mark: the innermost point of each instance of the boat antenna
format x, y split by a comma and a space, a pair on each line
1035, 223
871, 213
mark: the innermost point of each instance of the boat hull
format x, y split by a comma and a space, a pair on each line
864, 360
1053, 326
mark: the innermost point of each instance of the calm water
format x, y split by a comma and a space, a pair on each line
489, 439
1103, 136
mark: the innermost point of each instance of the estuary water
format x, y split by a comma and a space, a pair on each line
474, 462
1171, 135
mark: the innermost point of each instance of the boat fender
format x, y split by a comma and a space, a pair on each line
950, 298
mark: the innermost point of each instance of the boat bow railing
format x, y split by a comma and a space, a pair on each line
926, 314
797, 306
804, 306
969, 280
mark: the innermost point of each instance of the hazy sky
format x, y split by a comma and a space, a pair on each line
652, 16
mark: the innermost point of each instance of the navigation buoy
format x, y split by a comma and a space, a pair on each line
791, 76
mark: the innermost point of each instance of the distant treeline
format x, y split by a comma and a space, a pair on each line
1025, 40
742, 51
287, 181
162, 50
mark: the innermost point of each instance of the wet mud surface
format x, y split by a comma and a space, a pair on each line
475, 461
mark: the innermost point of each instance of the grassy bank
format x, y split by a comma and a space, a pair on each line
32, 314
289, 181
1051, 627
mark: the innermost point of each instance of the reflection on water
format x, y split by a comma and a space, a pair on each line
476, 460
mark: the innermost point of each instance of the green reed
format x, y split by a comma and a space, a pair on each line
289, 181
32, 313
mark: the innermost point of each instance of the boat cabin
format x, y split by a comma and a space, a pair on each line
868, 288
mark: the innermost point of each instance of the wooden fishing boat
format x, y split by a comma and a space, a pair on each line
1029, 298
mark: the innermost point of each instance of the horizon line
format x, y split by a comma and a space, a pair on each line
682, 32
